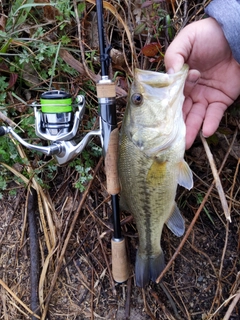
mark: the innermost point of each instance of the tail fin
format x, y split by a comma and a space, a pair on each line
147, 269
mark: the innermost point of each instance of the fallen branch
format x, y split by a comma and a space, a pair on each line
232, 306
216, 178
34, 251
3, 284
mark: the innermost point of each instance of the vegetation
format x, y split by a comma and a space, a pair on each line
31, 37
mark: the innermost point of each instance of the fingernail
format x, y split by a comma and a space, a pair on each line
204, 135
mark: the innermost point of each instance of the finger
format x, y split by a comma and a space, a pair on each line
178, 52
194, 122
191, 81
213, 117
187, 106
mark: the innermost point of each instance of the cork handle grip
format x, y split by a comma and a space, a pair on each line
113, 186
120, 269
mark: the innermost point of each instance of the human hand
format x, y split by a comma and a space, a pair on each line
213, 81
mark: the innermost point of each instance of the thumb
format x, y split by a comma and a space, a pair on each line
178, 51
173, 60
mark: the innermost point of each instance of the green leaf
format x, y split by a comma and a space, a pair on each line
81, 7
3, 183
140, 28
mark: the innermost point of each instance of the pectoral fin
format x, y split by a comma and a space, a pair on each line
176, 223
185, 177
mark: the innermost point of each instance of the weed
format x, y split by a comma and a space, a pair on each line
3, 87
83, 165
199, 198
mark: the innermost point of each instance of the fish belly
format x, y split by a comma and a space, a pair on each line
148, 192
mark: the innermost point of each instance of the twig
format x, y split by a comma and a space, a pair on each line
172, 303
232, 305
107, 263
7, 120
83, 279
127, 304
226, 303
219, 287
233, 184
162, 305
92, 295
34, 250
146, 307
216, 178
17, 299
80, 40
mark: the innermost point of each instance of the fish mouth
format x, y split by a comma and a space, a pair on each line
159, 79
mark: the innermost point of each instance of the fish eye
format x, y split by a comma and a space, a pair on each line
137, 99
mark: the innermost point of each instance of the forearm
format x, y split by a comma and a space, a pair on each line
227, 14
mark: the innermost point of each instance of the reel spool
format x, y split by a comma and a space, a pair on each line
55, 119
57, 112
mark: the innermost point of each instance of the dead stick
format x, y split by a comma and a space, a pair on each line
232, 306
107, 263
219, 285
146, 307
166, 312
60, 260
34, 251
217, 179
3, 284
127, 305
92, 295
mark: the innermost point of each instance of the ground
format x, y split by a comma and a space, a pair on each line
74, 231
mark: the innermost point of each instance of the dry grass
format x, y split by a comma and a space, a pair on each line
202, 278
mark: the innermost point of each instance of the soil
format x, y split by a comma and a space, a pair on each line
74, 231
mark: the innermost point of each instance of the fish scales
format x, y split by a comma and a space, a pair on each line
149, 175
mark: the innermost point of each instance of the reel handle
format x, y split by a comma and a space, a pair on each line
2, 131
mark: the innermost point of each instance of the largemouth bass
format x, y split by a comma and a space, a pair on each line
151, 163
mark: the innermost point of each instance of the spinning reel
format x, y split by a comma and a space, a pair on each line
57, 120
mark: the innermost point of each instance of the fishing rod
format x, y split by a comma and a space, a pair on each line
57, 119
106, 93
